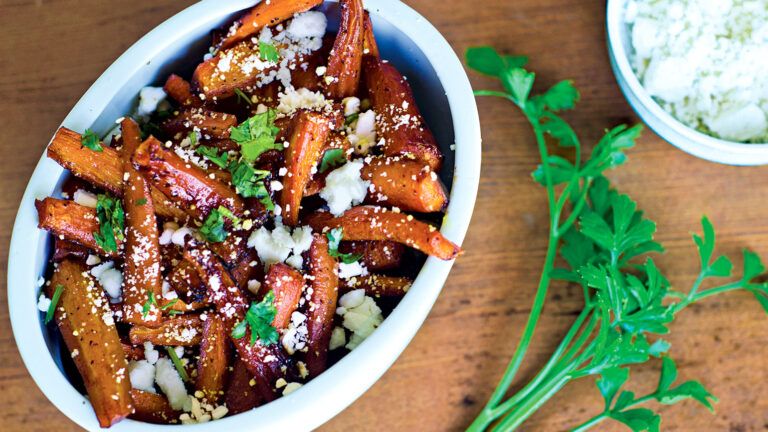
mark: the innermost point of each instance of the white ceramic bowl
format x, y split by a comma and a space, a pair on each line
445, 97
666, 126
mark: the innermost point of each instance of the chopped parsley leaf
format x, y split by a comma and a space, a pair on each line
332, 158
250, 182
351, 119
256, 135
148, 304
268, 52
111, 222
54, 301
141, 201
334, 238
213, 155
213, 228
192, 137
259, 318
91, 140
242, 97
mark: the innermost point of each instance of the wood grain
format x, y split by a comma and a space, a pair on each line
55, 49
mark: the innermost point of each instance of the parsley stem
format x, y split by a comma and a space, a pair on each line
493, 93
607, 414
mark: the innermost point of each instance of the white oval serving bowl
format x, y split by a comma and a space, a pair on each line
446, 100
663, 123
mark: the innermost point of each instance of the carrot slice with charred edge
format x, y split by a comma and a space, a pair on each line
73, 222
310, 132
376, 255
141, 274
185, 280
370, 47
103, 169
241, 396
213, 363
180, 91
211, 123
152, 408
287, 284
398, 119
343, 75
185, 184
65, 249
266, 14
378, 285
377, 223
325, 292
183, 331
247, 269
92, 340
215, 83
407, 184
231, 306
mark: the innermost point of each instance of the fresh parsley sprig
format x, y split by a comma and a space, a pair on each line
259, 318
602, 238
111, 222
256, 135
334, 238
268, 52
213, 229
332, 158
90, 140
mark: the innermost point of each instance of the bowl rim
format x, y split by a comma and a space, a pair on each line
331, 392
668, 127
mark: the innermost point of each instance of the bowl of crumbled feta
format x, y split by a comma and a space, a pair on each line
694, 71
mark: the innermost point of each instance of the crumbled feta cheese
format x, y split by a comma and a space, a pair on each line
277, 245
169, 381
149, 99
43, 303
310, 24
142, 375
362, 133
344, 187
351, 106
295, 336
352, 299
110, 278
151, 355
359, 317
85, 198
347, 271
291, 100
338, 338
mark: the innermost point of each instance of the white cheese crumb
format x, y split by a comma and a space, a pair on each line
149, 99
347, 271
310, 24
85, 198
151, 355
277, 245
142, 375
169, 381
338, 338
43, 303
360, 317
111, 279
344, 187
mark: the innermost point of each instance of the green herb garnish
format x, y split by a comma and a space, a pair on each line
148, 304
259, 318
192, 137
348, 120
169, 304
140, 201
268, 52
111, 222
213, 228
242, 97
212, 154
256, 135
54, 301
332, 158
177, 363
604, 241
251, 183
90, 140
334, 238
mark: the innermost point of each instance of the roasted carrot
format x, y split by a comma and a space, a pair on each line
342, 77
185, 184
247, 268
370, 47
398, 120
211, 124
65, 249
73, 222
185, 281
287, 284
378, 285
214, 359
217, 82
132, 352
152, 408
103, 169
180, 91
407, 184
325, 291
183, 331
241, 394
375, 255
87, 327
141, 275
310, 132
377, 223
265, 14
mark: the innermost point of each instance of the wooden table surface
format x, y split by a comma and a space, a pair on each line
53, 50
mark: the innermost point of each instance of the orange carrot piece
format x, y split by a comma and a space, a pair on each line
375, 255
214, 359
152, 408
266, 14
370, 47
180, 91
73, 222
378, 285
325, 291
342, 77
241, 396
185, 330
287, 284
210, 123
407, 184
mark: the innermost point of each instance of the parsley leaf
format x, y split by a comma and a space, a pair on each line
111, 222
213, 155
140, 201
268, 52
332, 158
90, 140
348, 120
259, 318
250, 182
213, 228
256, 135
54, 301
334, 238
151, 301
177, 363
242, 97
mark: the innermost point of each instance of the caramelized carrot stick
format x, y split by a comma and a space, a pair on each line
92, 340
310, 132
378, 285
370, 47
375, 255
287, 284
325, 291
343, 75
407, 184
376, 223
241, 394
73, 222
180, 91
186, 184
211, 124
152, 408
214, 359
398, 119
184, 331
103, 169
266, 14
141, 275
65, 249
